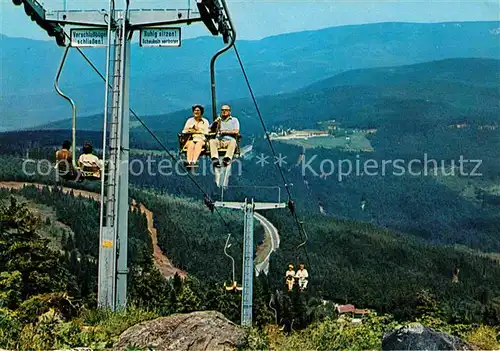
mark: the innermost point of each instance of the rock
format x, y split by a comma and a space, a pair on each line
74, 349
417, 337
204, 330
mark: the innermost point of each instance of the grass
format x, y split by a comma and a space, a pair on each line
357, 142
467, 187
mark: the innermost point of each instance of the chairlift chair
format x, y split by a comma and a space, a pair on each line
73, 171
217, 19
233, 286
183, 138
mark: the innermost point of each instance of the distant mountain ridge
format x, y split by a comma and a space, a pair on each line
375, 97
168, 80
476, 71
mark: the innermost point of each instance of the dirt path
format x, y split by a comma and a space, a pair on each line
161, 261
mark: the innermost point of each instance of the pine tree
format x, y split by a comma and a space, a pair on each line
24, 254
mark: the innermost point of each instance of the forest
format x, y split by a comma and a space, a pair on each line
344, 263
419, 204
416, 110
387, 242
344, 256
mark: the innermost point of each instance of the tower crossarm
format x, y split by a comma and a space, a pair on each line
268, 205
257, 205
230, 204
91, 18
137, 18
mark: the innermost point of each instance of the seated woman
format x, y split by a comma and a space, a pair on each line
197, 126
290, 277
89, 162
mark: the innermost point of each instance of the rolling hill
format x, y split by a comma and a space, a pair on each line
348, 261
277, 64
478, 72
424, 96
415, 110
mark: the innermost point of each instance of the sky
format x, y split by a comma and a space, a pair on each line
255, 19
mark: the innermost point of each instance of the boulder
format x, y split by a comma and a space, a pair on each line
417, 337
204, 330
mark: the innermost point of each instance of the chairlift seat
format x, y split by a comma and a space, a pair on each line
94, 173
66, 170
91, 175
233, 287
67, 175
205, 151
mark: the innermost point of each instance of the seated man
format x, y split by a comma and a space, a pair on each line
198, 127
64, 162
302, 276
228, 127
89, 162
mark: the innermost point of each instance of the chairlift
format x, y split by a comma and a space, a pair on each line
65, 170
292, 279
217, 19
233, 286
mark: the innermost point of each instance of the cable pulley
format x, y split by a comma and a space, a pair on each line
291, 206
209, 203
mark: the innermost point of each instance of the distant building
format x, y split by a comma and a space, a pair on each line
300, 134
351, 311
312, 132
344, 308
358, 315
361, 312
488, 127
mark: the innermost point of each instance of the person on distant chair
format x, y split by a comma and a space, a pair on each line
64, 162
89, 162
198, 127
290, 277
302, 276
228, 127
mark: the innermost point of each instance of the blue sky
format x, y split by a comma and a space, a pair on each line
255, 19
